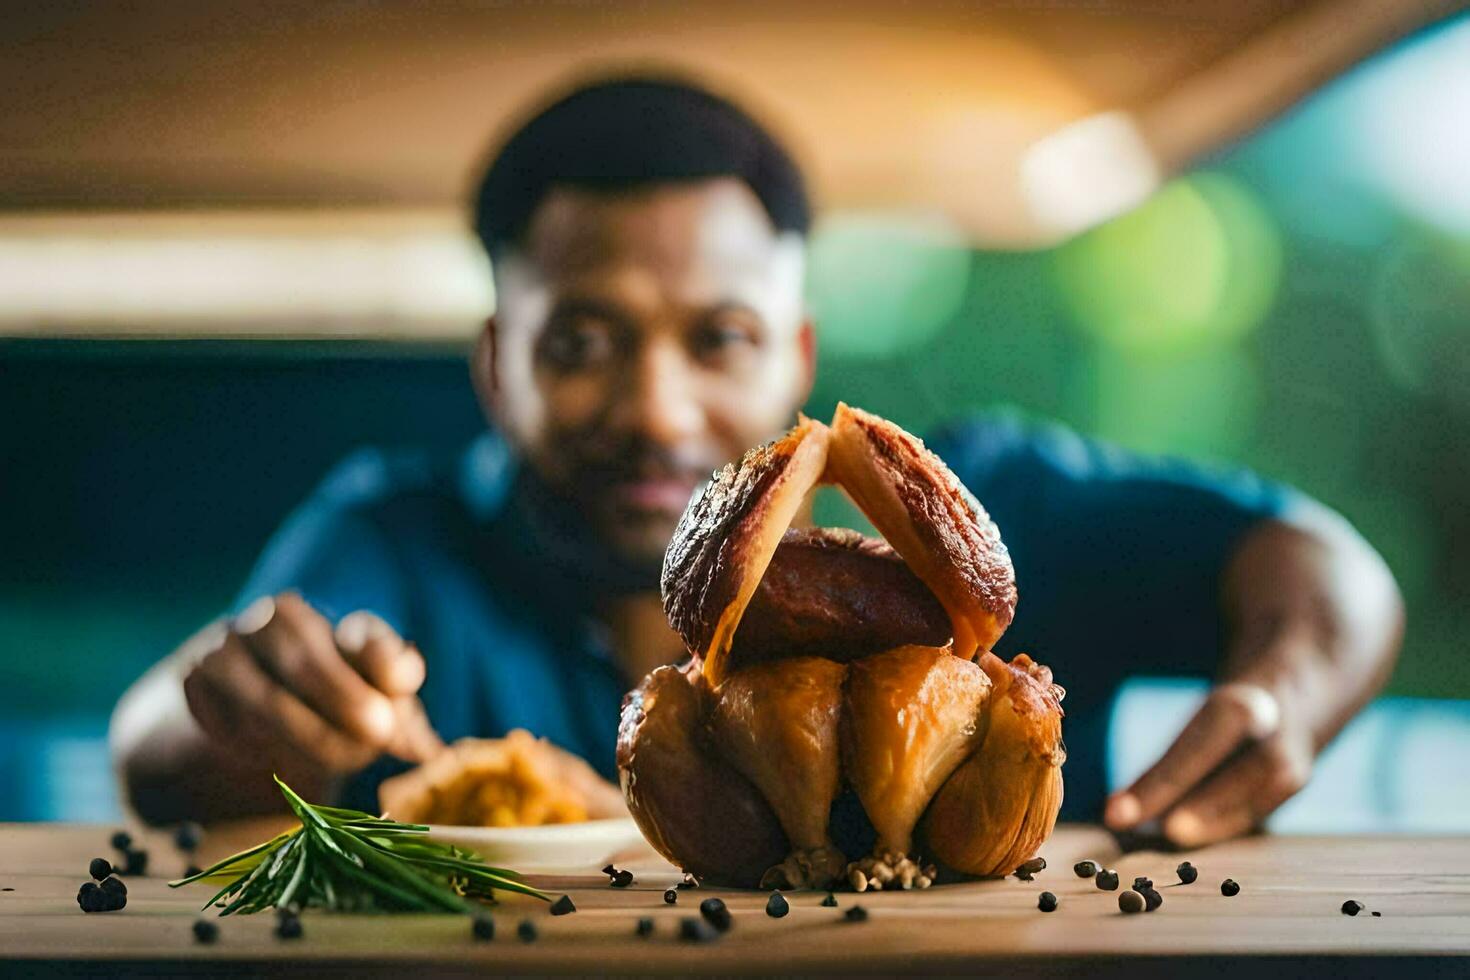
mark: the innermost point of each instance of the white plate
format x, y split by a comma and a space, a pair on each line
578, 847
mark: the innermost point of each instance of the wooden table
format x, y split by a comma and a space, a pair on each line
1285, 919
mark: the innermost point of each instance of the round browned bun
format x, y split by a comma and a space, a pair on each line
834, 593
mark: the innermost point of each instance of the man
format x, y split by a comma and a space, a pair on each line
647, 241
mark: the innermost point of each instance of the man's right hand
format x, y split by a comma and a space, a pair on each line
288, 691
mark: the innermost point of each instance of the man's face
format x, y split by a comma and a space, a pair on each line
641, 341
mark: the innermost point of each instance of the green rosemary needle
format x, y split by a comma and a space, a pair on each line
350, 861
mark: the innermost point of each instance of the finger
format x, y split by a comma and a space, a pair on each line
1215, 731
261, 712
295, 646
416, 740
392, 666
1237, 798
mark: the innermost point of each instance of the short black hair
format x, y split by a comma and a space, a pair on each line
628, 133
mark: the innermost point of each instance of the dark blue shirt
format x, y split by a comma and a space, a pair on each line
1118, 560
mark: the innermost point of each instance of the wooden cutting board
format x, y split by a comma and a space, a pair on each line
1287, 914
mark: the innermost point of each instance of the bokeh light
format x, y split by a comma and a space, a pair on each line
1202, 403
1412, 130
881, 284
1420, 314
1196, 266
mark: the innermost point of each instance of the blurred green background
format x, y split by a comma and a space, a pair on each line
1299, 305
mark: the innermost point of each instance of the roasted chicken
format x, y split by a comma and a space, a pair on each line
826, 663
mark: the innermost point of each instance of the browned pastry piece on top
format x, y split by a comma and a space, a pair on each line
728, 534
930, 519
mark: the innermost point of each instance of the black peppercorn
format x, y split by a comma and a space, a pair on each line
1047, 902
645, 927
90, 897
483, 928
1142, 883
1085, 869
1377, 915
777, 906
622, 879
1107, 880
830, 902
288, 927
856, 914
609, 871
1151, 899
192, 870
716, 914
121, 840
1130, 902
526, 931
205, 932
1229, 888
186, 836
1352, 907
671, 895
696, 930
99, 868
1187, 873
135, 862
563, 906
113, 887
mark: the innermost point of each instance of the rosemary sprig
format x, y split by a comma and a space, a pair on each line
351, 861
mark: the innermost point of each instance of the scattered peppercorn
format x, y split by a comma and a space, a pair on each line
563, 906
135, 862
830, 902
1151, 900
696, 930
99, 868
609, 871
1229, 888
1107, 880
671, 895
483, 928
1085, 869
90, 897
777, 906
526, 931
716, 914
114, 888
289, 927
186, 836
689, 881
192, 870
1187, 872
1047, 902
1352, 907
121, 840
205, 932
622, 879
856, 914
645, 927
1377, 915
1142, 883
1130, 902
7, 889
